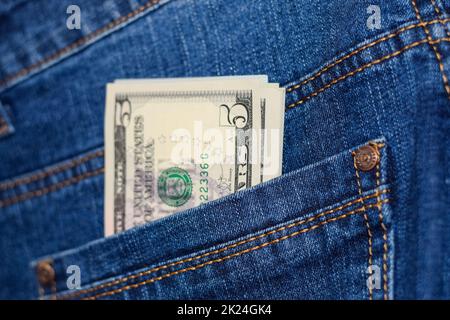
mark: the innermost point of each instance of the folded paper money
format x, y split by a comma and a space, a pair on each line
173, 144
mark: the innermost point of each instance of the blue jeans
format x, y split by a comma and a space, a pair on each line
328, 228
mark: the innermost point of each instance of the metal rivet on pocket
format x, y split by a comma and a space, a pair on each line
45, 273
367, 157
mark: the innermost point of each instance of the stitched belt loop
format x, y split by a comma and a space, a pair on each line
384, 230
230, 256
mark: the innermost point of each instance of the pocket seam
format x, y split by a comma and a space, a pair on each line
231, 246
364, 67
433, 46
51, 171
239, 253
362, 48
51, 188
385, 237
366, 222
382, 225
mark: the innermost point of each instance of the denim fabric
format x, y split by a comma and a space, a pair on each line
260, 243
309, 234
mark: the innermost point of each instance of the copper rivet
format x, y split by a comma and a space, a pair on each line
45, 273
367, 157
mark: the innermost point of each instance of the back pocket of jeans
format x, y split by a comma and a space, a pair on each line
320, 232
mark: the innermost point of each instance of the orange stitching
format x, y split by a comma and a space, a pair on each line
362, 68
435, 49
233, 255
51, 171
51, 188
439, 13
358, 50
234, 245
149, 4
79, 42
366, 222
385, 238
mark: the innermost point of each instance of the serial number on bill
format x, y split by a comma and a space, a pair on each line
225, 310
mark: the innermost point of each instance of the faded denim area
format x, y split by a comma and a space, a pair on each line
311, 233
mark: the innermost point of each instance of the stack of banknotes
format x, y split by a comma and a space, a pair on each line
173, 144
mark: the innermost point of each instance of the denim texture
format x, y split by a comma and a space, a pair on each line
309, 234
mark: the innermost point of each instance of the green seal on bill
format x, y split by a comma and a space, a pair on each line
174, 186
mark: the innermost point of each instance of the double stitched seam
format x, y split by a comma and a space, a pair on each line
385, 232
234, 245
147, 272
230, 256
366, 222
51, 188
364, 67
439, 13
367, 46
149, 4
52, 171
79, 42
434, 47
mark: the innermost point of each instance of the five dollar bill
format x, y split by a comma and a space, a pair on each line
173, 144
